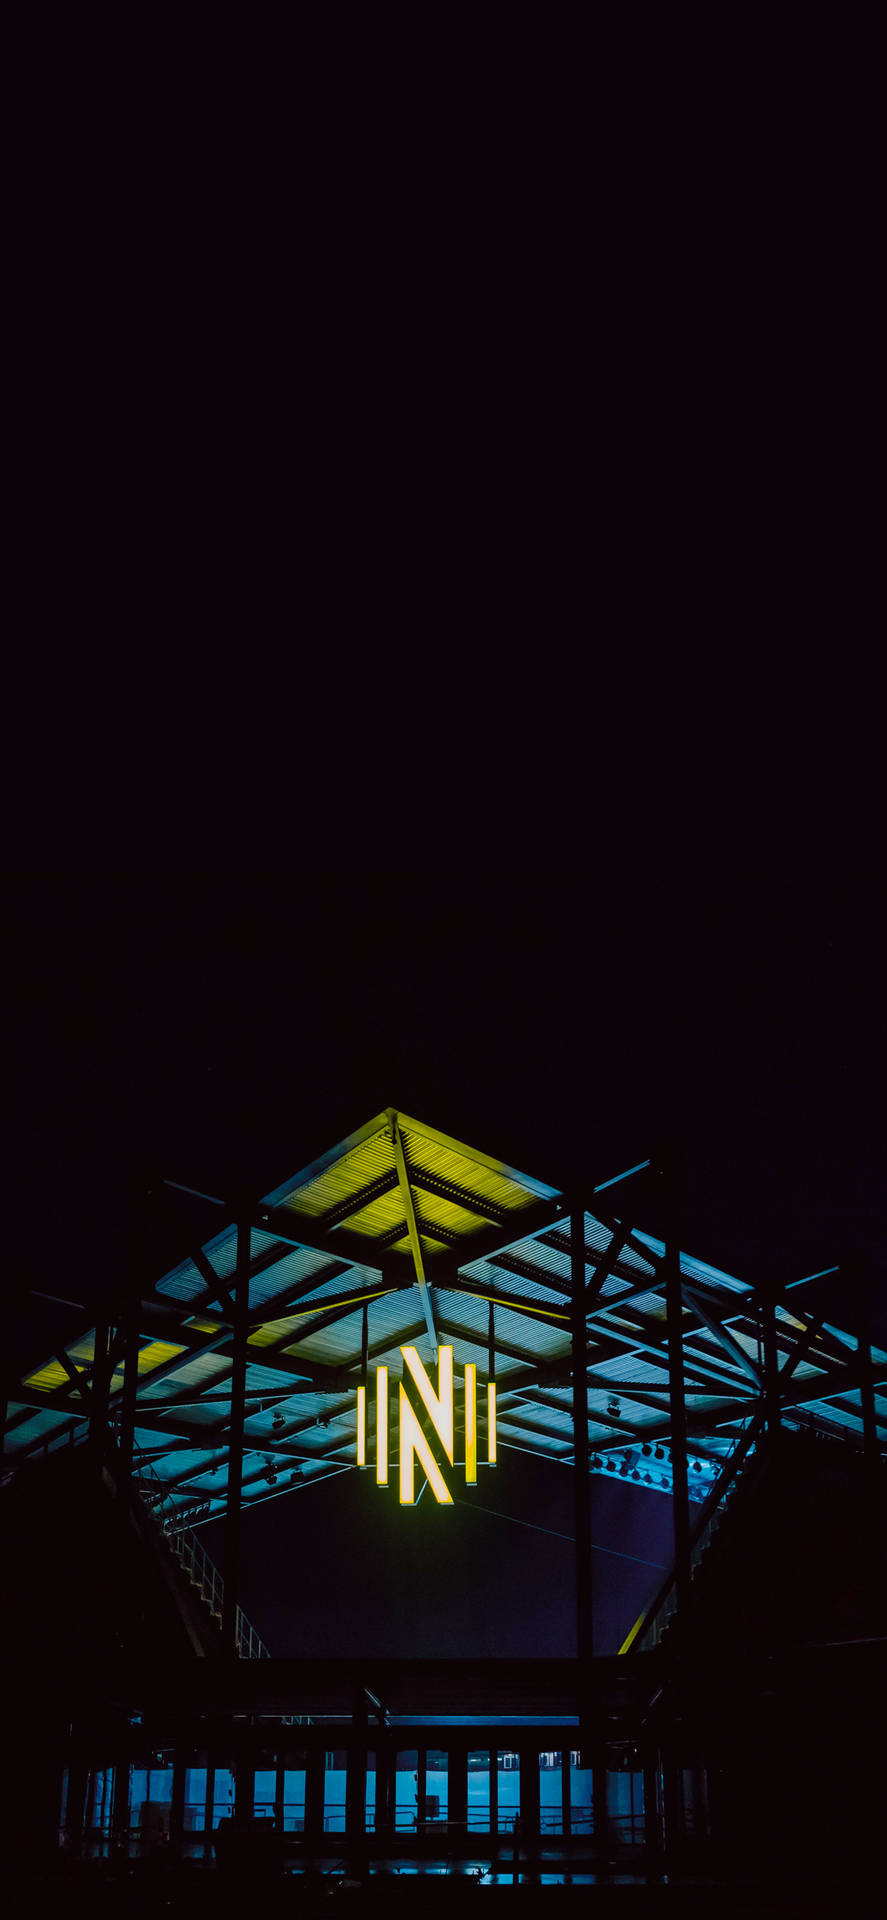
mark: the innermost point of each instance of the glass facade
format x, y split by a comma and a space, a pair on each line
436, 1785
335, 1780
507, 1789
223, 1794
406, 1790
455, 1791
194, 1811
479, 1790
581, 1795
294, 1793
551, 1802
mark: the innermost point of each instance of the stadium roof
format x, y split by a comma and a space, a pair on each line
401, 1235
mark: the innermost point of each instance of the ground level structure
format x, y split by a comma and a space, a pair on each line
405, 1309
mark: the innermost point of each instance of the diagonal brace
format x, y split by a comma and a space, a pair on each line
722, 1335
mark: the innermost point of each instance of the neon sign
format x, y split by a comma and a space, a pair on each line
413, 1443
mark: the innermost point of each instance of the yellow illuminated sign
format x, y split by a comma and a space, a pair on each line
413, 1442
382, 1426
471, 1425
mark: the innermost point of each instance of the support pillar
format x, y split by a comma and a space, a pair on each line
235, 1444
356, 1786
315, 1760
853, 1282
208, 1811
600, 1842
177, 1808
652, 1815
584, 1631
98, 1418
771, 1365
126, 1435
677, 1402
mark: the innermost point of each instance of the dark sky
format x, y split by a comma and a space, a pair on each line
231, 1026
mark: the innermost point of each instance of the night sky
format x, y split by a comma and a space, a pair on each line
231, 1026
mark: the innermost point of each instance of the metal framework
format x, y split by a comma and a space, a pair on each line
232, 1377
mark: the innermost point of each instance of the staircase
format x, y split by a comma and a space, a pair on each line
178, 1543
739, 1474
790, 1549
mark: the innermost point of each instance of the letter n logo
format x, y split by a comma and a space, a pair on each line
413, 1444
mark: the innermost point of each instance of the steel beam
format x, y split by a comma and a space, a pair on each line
582, 1517
854, 1272
677, 1399
721, 1334
415, 1244
235, 1444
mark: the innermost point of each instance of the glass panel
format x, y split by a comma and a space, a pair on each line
509, 1789
294, 1793
264, 1790
406, 1788
152, 1798
195, 1799
99, 1800
551, 1807
334, 1786
223, 1795
436, 1784
370, 1801
479, 1791
581, 1795
625, 1807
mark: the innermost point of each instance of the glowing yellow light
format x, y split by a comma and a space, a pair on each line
439, 1409
470, 1424
382, 1426
491, 1422
413, 1442
361, 1426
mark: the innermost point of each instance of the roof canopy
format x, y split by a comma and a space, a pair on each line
402, 1235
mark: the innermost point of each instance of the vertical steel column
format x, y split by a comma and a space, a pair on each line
584, 1630
131, 1316
244, 1775
673, 1809
600, 1798
126, 1437
315, 1762
529, 1790
566, 1768
652, 1815
494, 1790
98, 1419
177, 1808
279, 1766
677, 1404
235, 1444
385, 1785
853, 1277
120, 1803
771, 1363
356, 1773
7, 1322
208, 1809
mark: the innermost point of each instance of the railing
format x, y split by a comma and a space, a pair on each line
650, 1628
200, 1569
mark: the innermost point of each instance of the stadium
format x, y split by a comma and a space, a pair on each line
418, 1519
